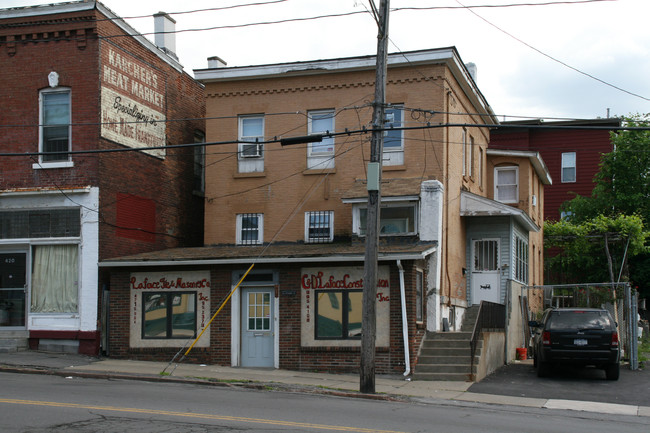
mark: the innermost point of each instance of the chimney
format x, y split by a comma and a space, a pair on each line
216, 62
165, 36
471, 68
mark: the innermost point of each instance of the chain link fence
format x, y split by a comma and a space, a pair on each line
618, 298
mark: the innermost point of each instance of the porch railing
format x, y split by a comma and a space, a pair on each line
490, 316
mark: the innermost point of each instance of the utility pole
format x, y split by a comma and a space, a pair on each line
369, 321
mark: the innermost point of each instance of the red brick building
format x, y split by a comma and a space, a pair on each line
87, 171
570, 149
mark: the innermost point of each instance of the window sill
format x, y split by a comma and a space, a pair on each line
310, 171
251, 174
46, 165
394, 167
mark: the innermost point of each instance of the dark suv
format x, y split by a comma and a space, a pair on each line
577, 336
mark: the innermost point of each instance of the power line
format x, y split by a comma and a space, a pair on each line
553, 58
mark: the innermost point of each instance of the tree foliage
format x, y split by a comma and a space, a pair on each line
587, 248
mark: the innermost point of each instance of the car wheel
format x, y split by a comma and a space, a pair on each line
542, 369
612, 371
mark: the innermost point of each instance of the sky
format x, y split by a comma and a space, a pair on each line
567, 60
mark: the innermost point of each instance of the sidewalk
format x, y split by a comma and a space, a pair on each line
387, 387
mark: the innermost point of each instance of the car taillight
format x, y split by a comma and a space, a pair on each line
546, 338
614, 338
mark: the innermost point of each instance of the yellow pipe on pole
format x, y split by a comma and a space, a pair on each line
219, 310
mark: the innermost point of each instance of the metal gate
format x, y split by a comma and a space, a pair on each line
618, 298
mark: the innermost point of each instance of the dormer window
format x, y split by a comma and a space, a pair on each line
506, 184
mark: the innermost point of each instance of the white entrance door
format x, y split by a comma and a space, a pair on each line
486, 278
257, 327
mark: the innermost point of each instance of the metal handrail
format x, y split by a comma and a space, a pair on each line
490, 316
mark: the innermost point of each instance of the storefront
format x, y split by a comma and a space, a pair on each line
48, 268
300, 313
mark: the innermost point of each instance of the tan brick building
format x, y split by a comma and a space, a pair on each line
297, 212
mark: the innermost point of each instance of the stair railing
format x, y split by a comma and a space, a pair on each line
490, 316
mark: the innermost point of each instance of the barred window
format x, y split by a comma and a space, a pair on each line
319, 226
250, 228
52, 223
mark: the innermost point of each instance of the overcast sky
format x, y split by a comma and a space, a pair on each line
532, 61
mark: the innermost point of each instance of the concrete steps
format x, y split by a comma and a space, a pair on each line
13, 341
446, 356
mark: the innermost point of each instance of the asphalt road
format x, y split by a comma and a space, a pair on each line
53, 404
567, 383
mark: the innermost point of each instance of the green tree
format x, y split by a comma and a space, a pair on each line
595, 250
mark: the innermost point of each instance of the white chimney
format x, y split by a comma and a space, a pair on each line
471, 68
165, 36
216, 62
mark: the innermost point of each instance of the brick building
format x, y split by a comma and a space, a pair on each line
571, 150
80, 82
297, 214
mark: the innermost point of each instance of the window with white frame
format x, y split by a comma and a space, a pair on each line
568, 167
393, 138
397, 219
470, 159
506, 185
521, 260
464, 150
320, 155
480, 167
250, 228
55, 128
319, 226
251, 136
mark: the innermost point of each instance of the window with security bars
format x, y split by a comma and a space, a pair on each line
319, 227
250, 228
52, 223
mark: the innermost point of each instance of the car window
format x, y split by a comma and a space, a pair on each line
578, 320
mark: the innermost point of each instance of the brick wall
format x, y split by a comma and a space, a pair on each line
389, 360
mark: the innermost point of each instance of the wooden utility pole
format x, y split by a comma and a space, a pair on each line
369, 321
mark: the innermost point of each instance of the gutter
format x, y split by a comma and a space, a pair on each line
247, 260
405, 326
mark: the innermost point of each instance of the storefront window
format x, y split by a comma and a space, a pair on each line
338, 314
169, 315
55, 279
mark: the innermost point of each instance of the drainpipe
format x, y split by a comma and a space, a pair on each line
405, 325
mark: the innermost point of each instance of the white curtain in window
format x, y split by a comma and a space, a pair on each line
55, 279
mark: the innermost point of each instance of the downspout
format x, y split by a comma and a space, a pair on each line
405, 325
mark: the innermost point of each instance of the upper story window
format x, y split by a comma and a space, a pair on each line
320, 155
470, 157
393, 138
394, 219
199, 163
568, 167
464, 151
251, 147
506, 185
480, 167
319, 226
55, 128
521, 260
250, 228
